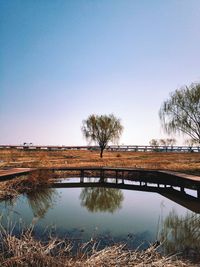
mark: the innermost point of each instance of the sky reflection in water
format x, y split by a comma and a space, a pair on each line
118, 215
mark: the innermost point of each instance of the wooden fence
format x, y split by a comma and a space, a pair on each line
133, 148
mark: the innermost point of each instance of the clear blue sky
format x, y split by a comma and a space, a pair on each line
62, 60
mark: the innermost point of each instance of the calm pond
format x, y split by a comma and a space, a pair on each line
104, 214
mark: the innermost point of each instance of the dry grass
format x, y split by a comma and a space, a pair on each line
27, 251
184, 162
12, 188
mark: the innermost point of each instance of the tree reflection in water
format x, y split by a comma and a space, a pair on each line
101, 199
41, 200
182, 235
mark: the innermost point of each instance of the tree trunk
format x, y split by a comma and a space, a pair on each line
101, 153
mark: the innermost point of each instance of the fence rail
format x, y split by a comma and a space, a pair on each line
133, 148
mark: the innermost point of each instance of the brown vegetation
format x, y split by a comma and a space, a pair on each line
184, 162
13, 188
27, 251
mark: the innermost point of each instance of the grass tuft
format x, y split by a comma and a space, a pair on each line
25, 250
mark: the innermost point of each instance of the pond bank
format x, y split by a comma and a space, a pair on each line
25, 250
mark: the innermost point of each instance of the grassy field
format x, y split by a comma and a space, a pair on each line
183, 162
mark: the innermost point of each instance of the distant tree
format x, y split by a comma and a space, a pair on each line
167, 142
102, 129
190, 142
171, 141
154, 142
162, 142
181, 112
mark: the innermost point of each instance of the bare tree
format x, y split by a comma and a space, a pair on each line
102, 129
162, 142
181, 112
171, 141
168, 142
154, 142
191, 142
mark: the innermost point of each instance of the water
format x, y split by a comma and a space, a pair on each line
104, 214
